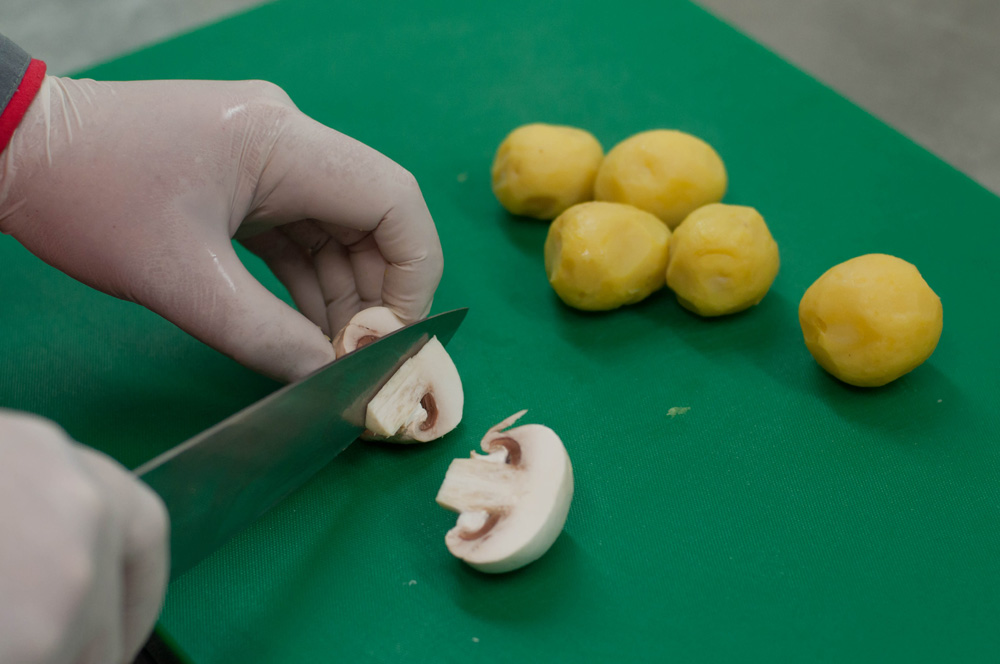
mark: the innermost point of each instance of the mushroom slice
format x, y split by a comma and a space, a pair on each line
512, 501
365, 327
421, 402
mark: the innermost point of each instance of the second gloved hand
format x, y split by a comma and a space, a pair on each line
137, 189
83, 550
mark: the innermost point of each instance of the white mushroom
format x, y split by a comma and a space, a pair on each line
423, 400
365, 327
512, 501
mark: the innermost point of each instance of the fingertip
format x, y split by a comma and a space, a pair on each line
308, 360
427, 310
146, 568
408, 289
143, 524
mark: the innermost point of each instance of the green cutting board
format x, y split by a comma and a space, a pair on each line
784, 517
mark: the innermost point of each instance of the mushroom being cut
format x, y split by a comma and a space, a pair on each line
365, 327
422, 401
512, 501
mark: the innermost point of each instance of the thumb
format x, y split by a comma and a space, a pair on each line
143, 526
213, 297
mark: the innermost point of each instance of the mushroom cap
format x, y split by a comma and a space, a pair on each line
364, 327
530, 498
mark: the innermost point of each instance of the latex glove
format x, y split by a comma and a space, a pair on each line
83, 553
137, 188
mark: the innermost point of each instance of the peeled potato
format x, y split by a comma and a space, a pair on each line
722, 260
871, 319
668, 173
540, 170
601, 256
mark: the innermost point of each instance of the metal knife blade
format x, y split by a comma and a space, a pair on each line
223, 479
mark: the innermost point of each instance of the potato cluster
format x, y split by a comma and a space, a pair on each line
648, 215
644, 216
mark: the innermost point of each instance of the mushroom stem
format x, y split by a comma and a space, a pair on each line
491, 519
423, 399
481, 483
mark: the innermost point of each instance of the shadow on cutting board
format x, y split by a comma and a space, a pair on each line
528, 595
761, 331
526, 234
159, 649
922, 405
767, 341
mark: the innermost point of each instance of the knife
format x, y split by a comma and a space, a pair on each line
219, 482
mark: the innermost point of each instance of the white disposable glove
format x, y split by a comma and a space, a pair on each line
137, 188
83, 550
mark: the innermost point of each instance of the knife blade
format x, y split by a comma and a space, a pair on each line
221, 480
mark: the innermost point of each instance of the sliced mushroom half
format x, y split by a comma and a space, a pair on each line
423, 400
512, 501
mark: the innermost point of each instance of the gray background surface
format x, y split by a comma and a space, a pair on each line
930, 68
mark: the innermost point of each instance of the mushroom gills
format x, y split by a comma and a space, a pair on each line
512, 501
422, 401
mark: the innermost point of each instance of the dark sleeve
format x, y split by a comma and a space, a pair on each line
13, 64
20, 78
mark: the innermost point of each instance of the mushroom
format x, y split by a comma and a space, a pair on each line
365, 327
512, 501
422, 401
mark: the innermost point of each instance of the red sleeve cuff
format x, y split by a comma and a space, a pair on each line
11, 116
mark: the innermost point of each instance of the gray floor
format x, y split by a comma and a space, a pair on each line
930, 68
72, 34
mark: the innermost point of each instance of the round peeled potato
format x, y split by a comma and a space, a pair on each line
722, 260
601, 256
540, 170
666, 172
871, 319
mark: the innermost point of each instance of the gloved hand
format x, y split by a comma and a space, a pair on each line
83, 553
137, 188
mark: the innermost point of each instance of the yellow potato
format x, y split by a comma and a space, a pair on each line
601, 256
871, 319
540, 170
722, 260
666, 172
